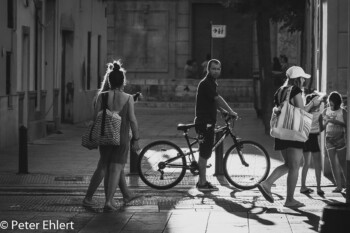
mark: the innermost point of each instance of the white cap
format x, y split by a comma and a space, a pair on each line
296, 72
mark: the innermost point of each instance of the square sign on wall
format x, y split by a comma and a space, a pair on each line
218, 31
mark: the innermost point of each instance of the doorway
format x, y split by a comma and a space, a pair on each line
235, 51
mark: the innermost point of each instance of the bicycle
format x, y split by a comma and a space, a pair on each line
162, 164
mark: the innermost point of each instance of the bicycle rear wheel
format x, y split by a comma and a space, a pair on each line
154, 169
246, 177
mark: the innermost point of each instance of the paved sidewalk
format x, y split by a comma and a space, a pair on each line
60, 170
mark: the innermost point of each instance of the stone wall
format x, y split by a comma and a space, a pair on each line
238, 90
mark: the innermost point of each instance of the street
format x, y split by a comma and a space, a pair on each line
49, 198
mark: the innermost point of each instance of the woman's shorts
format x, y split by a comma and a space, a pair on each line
311, 145
337, 143
114, 154
206, 135
285, 144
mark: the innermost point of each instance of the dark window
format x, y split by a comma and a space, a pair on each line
88, 61
10, 14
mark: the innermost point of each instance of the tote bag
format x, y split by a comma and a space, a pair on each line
105, 130
292, 123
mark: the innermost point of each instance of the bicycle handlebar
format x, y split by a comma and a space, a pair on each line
228, 117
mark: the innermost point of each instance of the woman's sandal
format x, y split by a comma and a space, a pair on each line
306, 191
128, 200
337, 190
89, 203
295, 204
109, 209
267, 195
320, 192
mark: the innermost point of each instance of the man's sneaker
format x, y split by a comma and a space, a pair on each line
206, 187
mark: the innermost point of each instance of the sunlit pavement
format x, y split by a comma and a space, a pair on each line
50, 196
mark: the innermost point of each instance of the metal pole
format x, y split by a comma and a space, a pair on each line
133, 162
219, 155
23, 151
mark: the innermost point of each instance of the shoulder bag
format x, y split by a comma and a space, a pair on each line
292, 123
105, 130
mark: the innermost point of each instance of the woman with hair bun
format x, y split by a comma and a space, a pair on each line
113, 158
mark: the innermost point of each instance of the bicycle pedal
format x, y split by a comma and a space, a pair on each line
209, 165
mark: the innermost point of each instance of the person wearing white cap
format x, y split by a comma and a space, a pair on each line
292, 151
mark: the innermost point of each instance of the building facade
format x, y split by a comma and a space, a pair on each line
53, 57
327, 52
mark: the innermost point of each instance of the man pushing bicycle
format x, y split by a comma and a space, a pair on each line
208, 101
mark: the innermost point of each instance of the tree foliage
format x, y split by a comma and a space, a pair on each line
291, 13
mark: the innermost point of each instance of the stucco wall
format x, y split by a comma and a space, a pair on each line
8, 122
336, 59
38, 107
143, 34
334, 53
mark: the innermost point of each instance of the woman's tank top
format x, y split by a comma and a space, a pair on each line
334, 130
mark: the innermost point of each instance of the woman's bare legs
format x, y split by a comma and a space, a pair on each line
96, 180
123, 186
306, 165
294, 156
316, 157
341, 154
335, 168
276, 173
113, 181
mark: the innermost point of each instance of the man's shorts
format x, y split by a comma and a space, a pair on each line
337, 143
206, 135
311, 145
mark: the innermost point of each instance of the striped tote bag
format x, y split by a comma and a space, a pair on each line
105, 130
292, 123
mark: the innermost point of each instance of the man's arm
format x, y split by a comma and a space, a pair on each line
221, 104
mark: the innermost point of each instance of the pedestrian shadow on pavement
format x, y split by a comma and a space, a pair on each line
312, 219
236, 208
223, 182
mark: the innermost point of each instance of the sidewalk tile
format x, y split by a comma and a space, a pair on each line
141, 208
107, 222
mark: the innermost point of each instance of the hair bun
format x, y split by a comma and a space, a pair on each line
116, 66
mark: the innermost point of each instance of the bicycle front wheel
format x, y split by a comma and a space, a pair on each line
249, 175
156, 167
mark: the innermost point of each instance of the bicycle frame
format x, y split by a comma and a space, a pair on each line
226, 131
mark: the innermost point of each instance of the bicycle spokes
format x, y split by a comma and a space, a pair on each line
241, 156
161, 165
246, 164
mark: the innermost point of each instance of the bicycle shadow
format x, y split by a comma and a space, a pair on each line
256, 209
240, 210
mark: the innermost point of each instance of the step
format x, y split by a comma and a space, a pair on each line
191, 105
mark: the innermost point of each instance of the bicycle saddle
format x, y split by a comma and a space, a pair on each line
185, 126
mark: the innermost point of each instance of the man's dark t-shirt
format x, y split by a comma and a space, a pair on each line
205, 101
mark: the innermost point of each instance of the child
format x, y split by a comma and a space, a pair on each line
312, 147
334, 120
